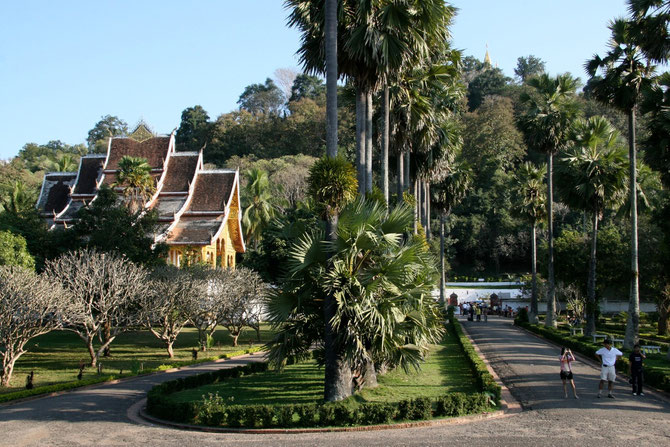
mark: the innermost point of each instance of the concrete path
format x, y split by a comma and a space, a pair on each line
99, 415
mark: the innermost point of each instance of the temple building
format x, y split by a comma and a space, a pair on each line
198, 209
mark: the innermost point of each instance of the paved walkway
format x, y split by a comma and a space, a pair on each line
98, 416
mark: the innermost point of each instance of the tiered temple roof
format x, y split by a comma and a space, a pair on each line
196, 207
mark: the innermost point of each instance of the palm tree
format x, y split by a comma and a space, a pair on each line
135, 178
331, 77
531, 205
447, 192
384, 316
259, 209
624, 74
65, 163
650, 21
592, 177
550, 112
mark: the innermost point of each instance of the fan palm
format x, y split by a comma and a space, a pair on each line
550, 112
448, 192
259, 209
617, 80
530, 192
650, 20
384, 314
135, 178
592, 177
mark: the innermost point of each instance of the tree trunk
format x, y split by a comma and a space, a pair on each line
663, 318
415, 190
337, 380
428, 230
361, 100
7, 370
633, 323
331, 77
202, 338
368, 143
235, 337
107, 329
591, 285
550, 320
385, 144
170, 349
369, 375
532, 315
406, 179
91, 351
420, 203
442, 220
401, 176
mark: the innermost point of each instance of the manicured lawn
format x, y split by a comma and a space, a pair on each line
55, 357
444, 371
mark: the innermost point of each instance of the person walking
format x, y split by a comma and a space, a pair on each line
608, 357
635, 370
566, 359
478, 311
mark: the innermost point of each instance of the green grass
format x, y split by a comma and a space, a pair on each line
55, 357
445, 370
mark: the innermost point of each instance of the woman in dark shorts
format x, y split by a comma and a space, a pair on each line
566, 359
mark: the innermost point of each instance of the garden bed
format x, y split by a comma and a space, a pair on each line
253, 397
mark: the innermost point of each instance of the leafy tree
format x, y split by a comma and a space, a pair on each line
14, 251
592, 177
383, 312
617, 79
490, 82
166, 308
530, 205
109, 126
30, 305
447, 192
307, 86
44, 157
257, 203
546, 123
135, 178
103, 289
527, 67
262, 99
194, 129
108, 227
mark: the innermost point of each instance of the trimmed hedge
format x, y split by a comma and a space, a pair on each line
6, 397
485, 380
213, 411
652, 376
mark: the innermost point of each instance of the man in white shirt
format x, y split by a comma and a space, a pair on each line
608, 357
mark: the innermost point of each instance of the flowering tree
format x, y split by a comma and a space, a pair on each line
103, 288
29, 306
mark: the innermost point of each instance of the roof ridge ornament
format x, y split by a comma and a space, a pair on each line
142, 132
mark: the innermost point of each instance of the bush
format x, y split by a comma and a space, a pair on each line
522, 316
307, 414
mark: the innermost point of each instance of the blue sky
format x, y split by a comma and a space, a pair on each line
64, 64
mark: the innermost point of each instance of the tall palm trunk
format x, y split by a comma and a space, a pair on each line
368, 142
442, 220
550, 320
331, 78
532, 316
422, 203
385, 144
591, 285
361, 100
337, 377
428, 231
633, 323
401, 176
415, 192
406, 179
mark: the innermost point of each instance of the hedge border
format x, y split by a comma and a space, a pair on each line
104, 378
485, 380
652, 376
215, 413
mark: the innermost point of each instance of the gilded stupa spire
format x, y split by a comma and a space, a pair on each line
487, 58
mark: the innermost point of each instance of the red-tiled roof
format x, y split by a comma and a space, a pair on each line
155, 150
212, 191
89, 173
195, 230
180, 172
